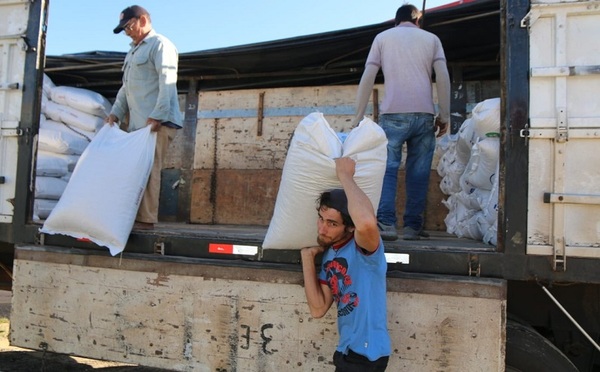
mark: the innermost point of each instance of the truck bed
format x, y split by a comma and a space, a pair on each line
438, 240
174, 239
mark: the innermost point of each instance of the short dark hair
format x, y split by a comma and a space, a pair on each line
407, 13
337, 200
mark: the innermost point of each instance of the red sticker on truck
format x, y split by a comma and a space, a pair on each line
248, 250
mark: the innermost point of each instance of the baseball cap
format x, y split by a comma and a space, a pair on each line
134, 11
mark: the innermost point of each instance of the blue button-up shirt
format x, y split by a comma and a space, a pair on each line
149, 87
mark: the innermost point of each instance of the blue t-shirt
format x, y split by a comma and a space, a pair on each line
358, 284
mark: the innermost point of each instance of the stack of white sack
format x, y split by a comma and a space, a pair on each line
69, 121
469, 169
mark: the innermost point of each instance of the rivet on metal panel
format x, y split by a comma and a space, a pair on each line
562, 125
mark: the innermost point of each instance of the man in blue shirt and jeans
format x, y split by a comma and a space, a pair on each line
353, 274
149, 96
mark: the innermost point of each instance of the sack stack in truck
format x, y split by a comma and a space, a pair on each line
69, 121
469, 171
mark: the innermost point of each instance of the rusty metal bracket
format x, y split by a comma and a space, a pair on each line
159, 248
474, 265
260, 113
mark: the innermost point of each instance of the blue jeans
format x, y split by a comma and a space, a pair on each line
418, 131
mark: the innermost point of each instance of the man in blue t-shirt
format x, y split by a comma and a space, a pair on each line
353, 274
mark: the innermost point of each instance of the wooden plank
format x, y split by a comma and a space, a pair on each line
239, 197
205, 323
228, 123
237, 172
247, 197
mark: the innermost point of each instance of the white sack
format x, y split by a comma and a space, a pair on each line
81, 99
45, 101
481, 168
491, 236
42, 208
71, 116
70, 130
47, 86
486, 117
469, 228
52, 110
450, 168
47, 164
57, 138
450, 183
309, 170
446, 152
102, 198
67, 177
466, 140
489, 205
49, 187
69, 160
60, 142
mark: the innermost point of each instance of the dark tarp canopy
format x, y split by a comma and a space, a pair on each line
469, 31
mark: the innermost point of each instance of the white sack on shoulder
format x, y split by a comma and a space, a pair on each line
309, 169
103, 195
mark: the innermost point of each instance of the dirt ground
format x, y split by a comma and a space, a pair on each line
14, 359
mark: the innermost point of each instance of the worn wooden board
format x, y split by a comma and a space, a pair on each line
237, 167
238, 197
217, 318
247, 197
229, 134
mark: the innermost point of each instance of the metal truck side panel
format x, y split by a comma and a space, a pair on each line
564, 202
190, 316
12, 70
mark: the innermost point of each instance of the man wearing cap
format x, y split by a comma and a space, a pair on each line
149, 96
353, 274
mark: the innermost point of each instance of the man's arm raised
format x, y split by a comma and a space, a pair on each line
361, 210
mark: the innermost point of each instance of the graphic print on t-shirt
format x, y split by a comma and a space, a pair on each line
339, 281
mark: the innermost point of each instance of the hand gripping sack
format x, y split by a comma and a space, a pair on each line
102, 197
309, 169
